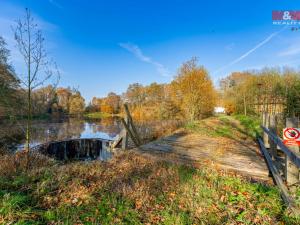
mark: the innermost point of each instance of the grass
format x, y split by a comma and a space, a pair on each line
251, 125
201, 127
205, 127
97, 115
134, 189
227, 126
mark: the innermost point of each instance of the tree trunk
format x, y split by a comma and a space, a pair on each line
28, 129
245, 106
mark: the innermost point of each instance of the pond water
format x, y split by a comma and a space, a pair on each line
12, 134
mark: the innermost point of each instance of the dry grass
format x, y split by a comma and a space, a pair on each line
13, 163
132, 189
151, 130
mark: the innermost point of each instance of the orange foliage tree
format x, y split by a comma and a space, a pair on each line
191, 95
193, 90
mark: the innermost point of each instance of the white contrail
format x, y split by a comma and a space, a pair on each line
265, 41
56, 4
137, 52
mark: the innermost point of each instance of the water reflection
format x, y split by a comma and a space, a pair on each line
12, 135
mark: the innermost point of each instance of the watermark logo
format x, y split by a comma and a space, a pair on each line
286, 17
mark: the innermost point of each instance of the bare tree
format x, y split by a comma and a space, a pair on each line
39, 70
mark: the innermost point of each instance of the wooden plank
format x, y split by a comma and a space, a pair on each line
125, 137
276, 175
273, 126
117, 141
130, 133
266, 122
292, 156
130, 121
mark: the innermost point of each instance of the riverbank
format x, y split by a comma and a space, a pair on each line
47, 116
99, 115
44, 116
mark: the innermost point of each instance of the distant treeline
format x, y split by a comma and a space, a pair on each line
190, 95
45, 100
267, 90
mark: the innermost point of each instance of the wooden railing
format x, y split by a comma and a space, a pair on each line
294, 157
283, 161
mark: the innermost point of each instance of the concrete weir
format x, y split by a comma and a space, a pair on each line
76, 149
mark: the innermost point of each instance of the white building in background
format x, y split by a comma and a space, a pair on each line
219, 109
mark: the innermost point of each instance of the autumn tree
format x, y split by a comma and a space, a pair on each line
30, 43
110, 104
290, 90
114, 102
154, 94
96, 103
9, 84
194, 90
271, 90
237, 92
77, 104
43, 100
293, 100
169, 110
135, 94
63, 98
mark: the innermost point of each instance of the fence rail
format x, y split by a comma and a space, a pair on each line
292, 156
277, 177
283, 161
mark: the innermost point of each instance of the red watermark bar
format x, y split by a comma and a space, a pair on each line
286, 15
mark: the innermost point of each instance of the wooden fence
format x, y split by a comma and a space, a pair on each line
283, 161
128, 131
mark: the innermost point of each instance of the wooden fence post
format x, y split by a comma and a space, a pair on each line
266, 122
131, 124
125, 136
130, 133
291, 171
273, 128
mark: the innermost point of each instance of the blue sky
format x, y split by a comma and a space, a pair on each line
102, 46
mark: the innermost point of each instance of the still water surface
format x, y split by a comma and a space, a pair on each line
12, 135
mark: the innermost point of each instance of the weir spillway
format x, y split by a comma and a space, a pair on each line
76, 149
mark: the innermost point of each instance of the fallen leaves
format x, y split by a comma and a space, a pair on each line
137, 188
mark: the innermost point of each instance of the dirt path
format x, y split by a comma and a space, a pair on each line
232, 150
